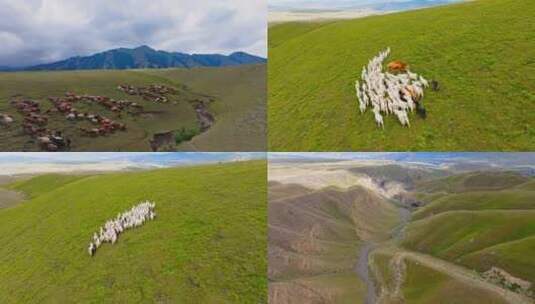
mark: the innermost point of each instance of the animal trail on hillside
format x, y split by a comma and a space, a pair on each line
132, 218
396, 91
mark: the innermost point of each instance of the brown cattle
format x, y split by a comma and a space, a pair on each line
397, 67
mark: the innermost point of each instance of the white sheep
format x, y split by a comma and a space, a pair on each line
91, 249
6, 119
135, 217
388, 93
424, 82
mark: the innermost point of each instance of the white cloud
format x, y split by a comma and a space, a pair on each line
49, 30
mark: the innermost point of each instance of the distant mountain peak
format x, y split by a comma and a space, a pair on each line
144, 47
146, 57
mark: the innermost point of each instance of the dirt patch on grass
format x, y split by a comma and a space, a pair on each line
9, 198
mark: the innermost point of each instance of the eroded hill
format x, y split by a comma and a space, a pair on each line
469, 239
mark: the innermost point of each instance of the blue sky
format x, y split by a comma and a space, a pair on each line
160, 159
435, 158
39, 31
354, 4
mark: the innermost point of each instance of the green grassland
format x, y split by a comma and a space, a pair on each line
424, 285
477, 200
239, 93
207, 245
515, 256
240, 113
453, 234
476, 50
478, 228
43, 183
472, 181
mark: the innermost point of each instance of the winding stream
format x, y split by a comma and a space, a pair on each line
362, 268
398, 233
363, 272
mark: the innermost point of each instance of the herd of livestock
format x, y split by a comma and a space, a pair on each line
132, 218
154, 93
397, 91
35, 124
35, 120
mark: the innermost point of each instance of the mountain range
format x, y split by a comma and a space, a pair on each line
143, 57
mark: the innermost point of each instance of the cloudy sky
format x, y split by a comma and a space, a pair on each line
431, 158
41, 31
341, 4
12, 163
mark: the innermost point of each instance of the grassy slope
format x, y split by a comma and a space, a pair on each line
475, 50
240, 112
40, 85
515, 256
490, 235
453, 234
473, 181
481, 220
44, 183
315, 252
479, 200
279, 34
207, 245
423, 285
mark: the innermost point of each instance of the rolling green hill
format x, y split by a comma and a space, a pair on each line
478, 229
207, 244
472, 181
475, 50
488, 200
453, 234
44, 183
423, 284
515, 256
240, 113
469, 237
239, 107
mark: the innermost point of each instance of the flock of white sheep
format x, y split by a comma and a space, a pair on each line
132, 218
388, 93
